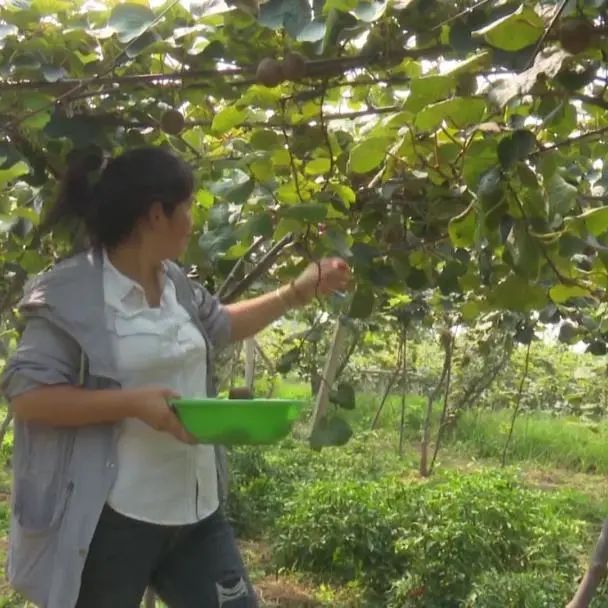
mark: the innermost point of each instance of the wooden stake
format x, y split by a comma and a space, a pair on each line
595, 573
329, 373
249, 363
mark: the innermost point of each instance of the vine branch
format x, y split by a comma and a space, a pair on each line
261, 267
520, 391
447, 364
543, 38
444, 412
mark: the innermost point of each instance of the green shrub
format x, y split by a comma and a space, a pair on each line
520, 590
264, 480
429, 541
467, 525
344, 530
255, 493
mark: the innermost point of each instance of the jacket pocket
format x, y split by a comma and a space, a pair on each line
39, 505
33, 540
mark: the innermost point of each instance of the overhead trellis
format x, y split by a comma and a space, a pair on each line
452, 151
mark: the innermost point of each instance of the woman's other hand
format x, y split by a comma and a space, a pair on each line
151, 405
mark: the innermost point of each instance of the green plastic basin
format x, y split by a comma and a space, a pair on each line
238, 421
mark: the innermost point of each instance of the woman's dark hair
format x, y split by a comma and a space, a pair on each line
110, 204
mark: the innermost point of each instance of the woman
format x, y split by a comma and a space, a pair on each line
110, 493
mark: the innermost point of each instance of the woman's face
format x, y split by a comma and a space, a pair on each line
170, 234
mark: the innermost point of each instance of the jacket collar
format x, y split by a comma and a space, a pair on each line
70, 295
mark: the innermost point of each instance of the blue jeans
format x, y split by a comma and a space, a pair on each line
191, 566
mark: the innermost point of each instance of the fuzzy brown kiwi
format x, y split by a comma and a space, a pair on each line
240, 392
172, 122
576, 35
294, 67
269, 72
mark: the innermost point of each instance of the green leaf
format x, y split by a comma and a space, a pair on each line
462, 228
370, 11
227, 118
265, 139
344, 192
525, 251
344, 396
362, 304
17, 170
334, 431
340, 5
562, 195
368, 154
427, 90
515, 31
338, 242
235, 189
594, 220
259, 224
458, 112
471, 310
287, 361
472, 65
262, 170
481, 157
517, 294
37, 121
516, 147
6, 223
216, 242
562, 293
199, 44
130, 20
142, 43
288, 193
205, 198
318, 166
27, 213
313, 32
293, 15
32, 262
597, 348
491, 189
53, 73
305, 212
448, 280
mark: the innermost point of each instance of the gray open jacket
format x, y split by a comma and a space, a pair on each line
62, 476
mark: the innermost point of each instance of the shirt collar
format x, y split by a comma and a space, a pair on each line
122, 292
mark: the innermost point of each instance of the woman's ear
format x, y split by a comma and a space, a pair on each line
156, 214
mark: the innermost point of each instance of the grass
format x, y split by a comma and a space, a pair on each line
567, 443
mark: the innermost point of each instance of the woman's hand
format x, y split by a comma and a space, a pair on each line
151, 406
321, 278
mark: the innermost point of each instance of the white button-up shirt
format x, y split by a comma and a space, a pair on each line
159, 479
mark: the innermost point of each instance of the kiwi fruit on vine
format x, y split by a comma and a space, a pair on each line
269, 72
393, 232
172, 122
293, 67
576, 35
